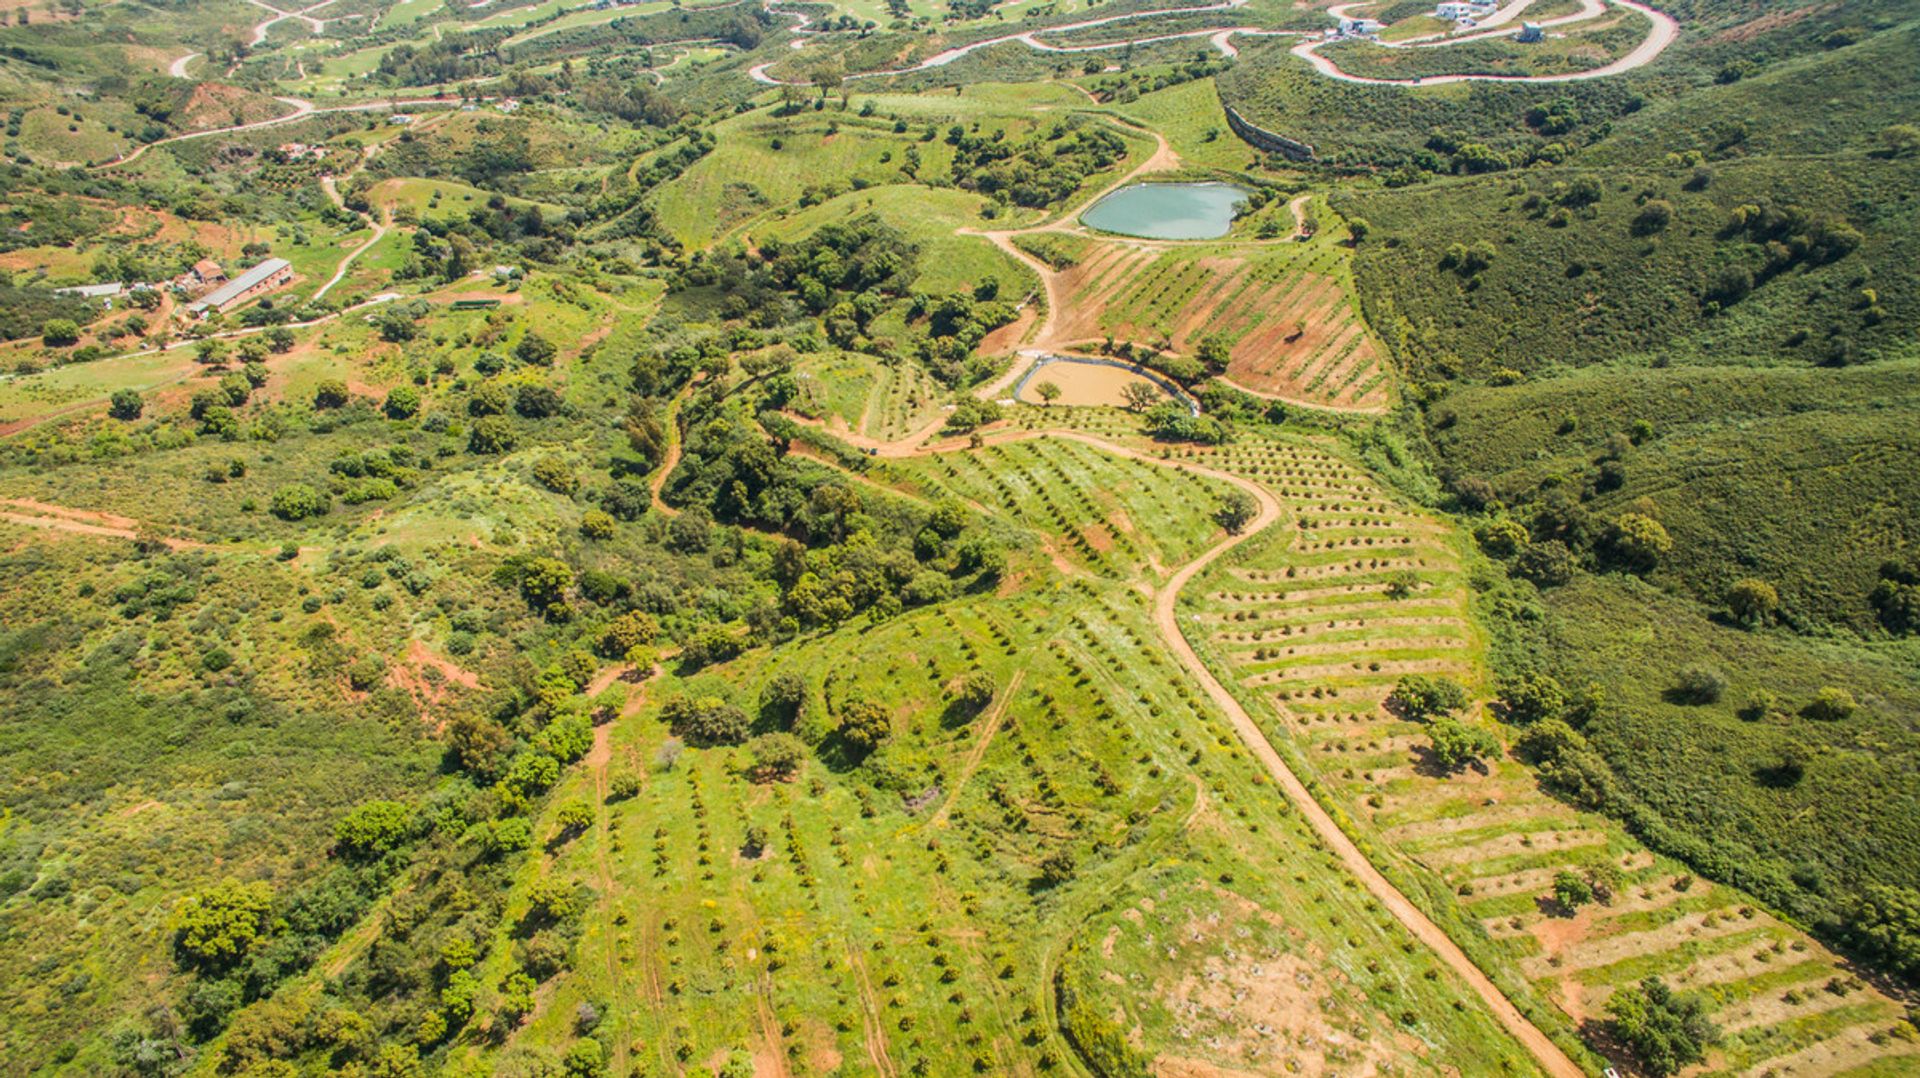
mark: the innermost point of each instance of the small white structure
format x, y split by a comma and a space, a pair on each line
508, 105
1530, 32
400, 118
1359, 27
1463, 10
506, 273
295, 151
92, 291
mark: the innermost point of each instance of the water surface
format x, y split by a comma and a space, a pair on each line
1168, 211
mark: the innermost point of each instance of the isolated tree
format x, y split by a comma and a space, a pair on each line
782, 698
1639, 541
1215, 351
1752, 601
217, 927
331, 393
1453, 744
1665, 1031
1236, 510
865, 725
403, 402
975, 691
1139, 396
1571, 889
1048, 392
59, 332
776, 756
1422, 697
572, 818
536, 350
705, 720
126, 404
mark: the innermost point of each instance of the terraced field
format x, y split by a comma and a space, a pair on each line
955, 905
1091, 510
1314, 622
1286, 310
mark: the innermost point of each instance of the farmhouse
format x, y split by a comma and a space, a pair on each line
208, 272
1530, 32
261, 279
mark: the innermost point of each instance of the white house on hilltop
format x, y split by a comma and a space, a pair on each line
1463, 10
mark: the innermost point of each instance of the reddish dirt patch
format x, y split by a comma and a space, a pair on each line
1009, 337
431, 680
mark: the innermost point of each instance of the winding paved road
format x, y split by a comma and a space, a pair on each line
1665, 30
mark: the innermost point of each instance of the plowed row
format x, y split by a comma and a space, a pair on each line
1292, 330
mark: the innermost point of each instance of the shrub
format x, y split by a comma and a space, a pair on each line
556, 475
1698, 685
1752, 601
1884, 924
403, 402
537, 400
1531, 699
1638, 541
623, 786
59, 332
126, 404
297, 501
373, 829
1830, 704
331, 393
1548, 563
491, 435
536, 350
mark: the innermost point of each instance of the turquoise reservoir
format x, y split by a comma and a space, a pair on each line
1168, 211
